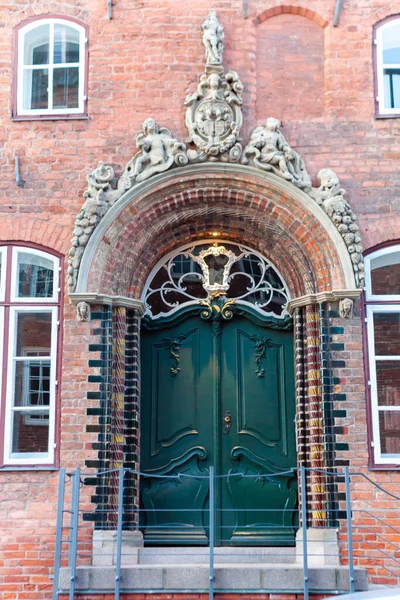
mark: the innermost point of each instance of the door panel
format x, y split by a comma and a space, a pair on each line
258, 386
195, 373
176, 437
176, 368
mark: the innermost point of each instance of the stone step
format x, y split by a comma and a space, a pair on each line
228, 577
199, 555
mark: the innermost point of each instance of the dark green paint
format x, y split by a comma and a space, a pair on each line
246, 368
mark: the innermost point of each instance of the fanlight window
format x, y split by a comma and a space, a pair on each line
209, 270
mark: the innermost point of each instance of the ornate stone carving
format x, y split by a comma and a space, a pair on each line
158, 151
330, 196
346, 308
83, 312
268, 150
213, 113
213, 39
99, 197
214, 117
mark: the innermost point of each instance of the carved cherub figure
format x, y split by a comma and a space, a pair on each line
272, 153
213, 39
329, 186
158, 150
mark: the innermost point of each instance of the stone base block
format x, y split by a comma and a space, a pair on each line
105, 548
323, 547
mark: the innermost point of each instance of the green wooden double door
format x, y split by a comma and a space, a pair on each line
221, 394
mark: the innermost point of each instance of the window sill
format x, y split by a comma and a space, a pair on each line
29, 468
52, 118
394, 116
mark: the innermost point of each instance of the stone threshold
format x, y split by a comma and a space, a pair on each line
194, 578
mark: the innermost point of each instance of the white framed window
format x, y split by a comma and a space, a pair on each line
51, 68
383, 332
30, 317
3, 266
387, 67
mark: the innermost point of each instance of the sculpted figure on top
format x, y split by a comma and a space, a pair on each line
213, 39
269, 150
158, 151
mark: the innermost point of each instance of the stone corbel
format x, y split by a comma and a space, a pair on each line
321, 297
94, 298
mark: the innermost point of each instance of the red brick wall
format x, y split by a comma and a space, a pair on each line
290, 68
143, 62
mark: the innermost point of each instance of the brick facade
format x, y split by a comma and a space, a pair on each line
318, 79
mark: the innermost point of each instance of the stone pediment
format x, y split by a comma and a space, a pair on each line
214, 120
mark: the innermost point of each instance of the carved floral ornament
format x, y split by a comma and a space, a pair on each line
214, 120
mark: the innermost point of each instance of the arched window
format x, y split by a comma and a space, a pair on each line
387, 67
29, 314
51, 70
383, 330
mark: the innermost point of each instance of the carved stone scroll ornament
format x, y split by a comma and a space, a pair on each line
158, 151
268, 150
99, 197
330, 196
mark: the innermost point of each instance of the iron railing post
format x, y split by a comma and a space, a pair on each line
119, 533
59, 530
76, 484
349, 529
303, 485
212, 534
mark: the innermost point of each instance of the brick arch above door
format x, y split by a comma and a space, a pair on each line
156, 216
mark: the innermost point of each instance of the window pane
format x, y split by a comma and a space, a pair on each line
32, 383
385, 274
389, 427
30, 432
388, 383
2, 269
33, 334
391, 44
35, 89
392, 88
65, 87
36, 46
66, 44
387, 333
35, 276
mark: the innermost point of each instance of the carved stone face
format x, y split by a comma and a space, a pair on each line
328, 178
150, 126
272, 124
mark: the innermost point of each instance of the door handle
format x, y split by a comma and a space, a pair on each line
227, 421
